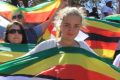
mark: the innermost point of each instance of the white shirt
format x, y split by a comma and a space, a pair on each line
51, 43
116, 62
107, 10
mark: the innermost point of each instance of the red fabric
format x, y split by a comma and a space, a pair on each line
75, 72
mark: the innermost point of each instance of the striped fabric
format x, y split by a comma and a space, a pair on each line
67, 63
36, 14
7, 10
103, 36
12, 51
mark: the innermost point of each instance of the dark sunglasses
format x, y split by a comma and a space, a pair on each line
13, 31
17, 16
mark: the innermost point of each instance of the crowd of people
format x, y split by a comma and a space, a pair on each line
20, 3
70, 22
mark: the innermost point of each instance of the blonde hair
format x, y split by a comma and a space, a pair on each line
65, 12
83, 11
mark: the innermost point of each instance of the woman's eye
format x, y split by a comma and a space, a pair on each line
66, 25
76, 26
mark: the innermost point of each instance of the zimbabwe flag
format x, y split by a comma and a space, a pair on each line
36, 14
67, 63
103, 36
11, 51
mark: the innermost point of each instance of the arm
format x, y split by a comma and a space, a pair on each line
40, 29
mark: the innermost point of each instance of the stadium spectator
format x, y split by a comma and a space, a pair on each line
14, 2
33, 31
20, 3
94, 13
70, 21
107, 9
30, 32
15, 33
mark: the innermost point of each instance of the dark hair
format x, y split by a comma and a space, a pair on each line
24, 38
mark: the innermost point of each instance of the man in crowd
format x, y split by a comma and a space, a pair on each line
33, 31
107, 9
94, 13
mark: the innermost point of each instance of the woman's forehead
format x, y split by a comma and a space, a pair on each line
17, 13
15, 27
72, 17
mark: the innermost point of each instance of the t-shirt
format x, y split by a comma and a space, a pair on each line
33, 33
51, 43
107, 10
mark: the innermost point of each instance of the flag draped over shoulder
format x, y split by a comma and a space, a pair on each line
61, 63
34, 14
103, 36
11, 51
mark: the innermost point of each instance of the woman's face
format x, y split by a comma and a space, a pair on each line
18, 17
15, 35
70, 27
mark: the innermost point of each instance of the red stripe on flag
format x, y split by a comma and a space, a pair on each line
38, 17
103, 32
102, 45
50, 28
7, 15
75, 72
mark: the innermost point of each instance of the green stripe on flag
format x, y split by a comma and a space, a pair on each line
12, 66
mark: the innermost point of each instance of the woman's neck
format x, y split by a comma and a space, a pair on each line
64, 42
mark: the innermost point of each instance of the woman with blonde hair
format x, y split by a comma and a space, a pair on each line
70, 22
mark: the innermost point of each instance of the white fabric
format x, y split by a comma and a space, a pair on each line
116, 62
108, 1
81, 36
3, 24
20, 78
51, 43
118, 47
107, 10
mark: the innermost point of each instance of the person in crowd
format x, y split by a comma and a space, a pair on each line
94, 13
34, 31
25, 2
116, 61
107, 9
15, 2
70, 22
29, 29
15, 33
20, 3
83, 11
